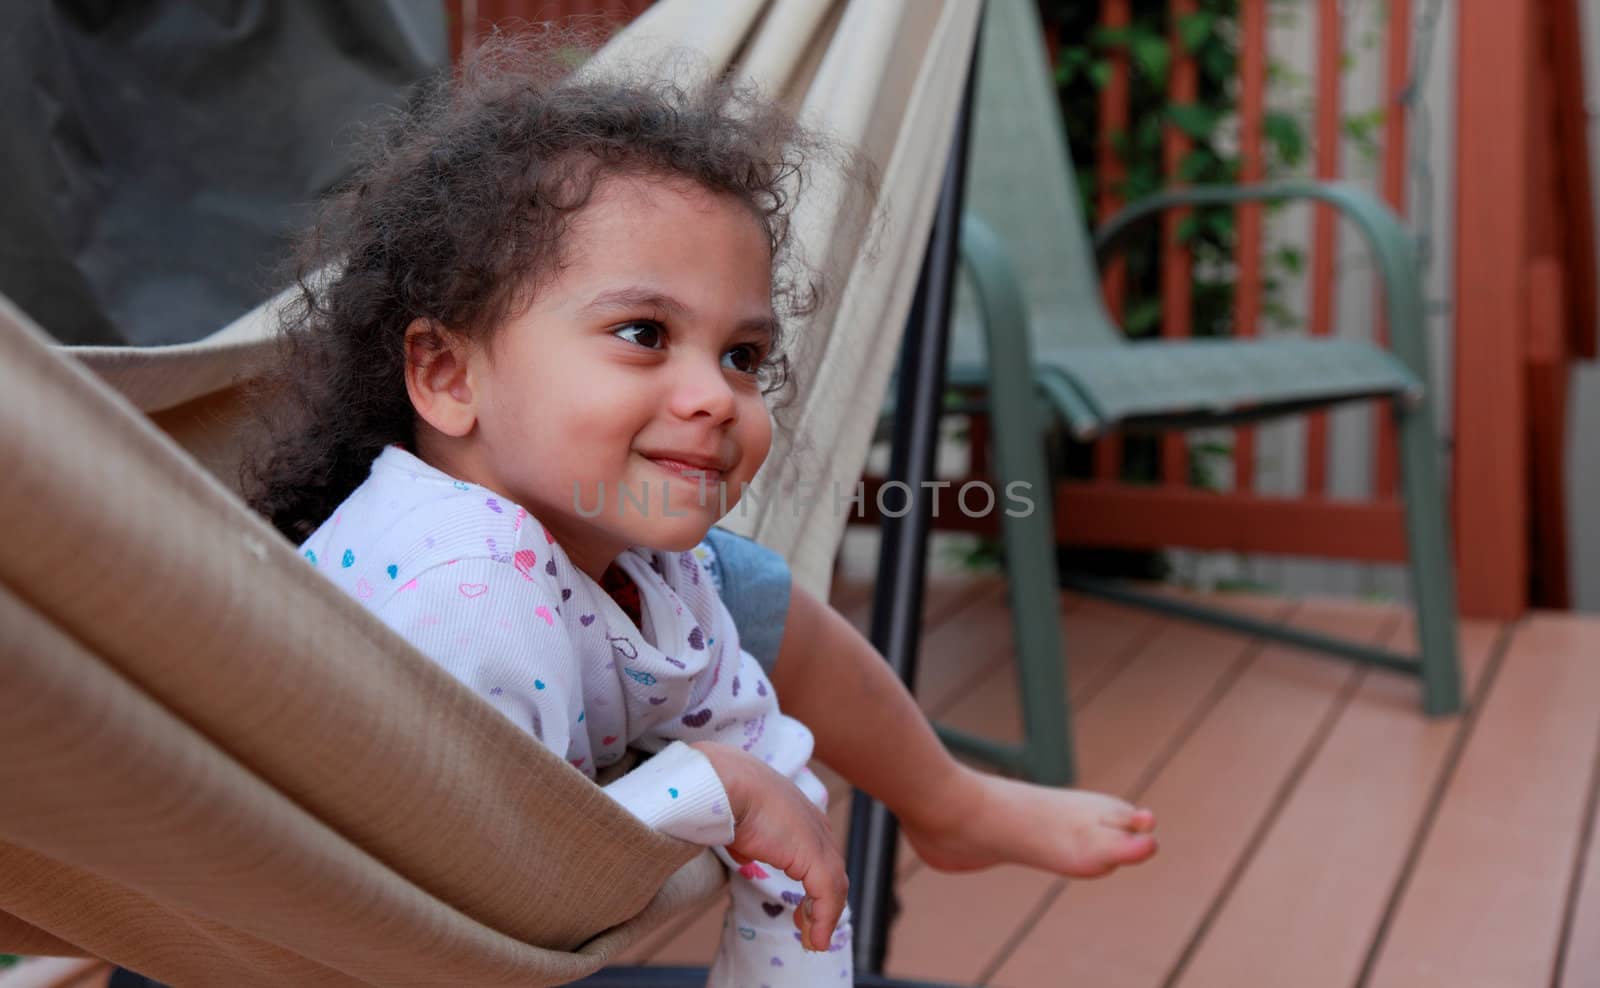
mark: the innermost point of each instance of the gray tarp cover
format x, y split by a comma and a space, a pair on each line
157, 157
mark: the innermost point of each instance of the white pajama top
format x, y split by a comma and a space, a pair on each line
480, 587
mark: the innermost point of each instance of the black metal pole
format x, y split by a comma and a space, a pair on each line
902, 555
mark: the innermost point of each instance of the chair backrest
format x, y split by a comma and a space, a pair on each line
1020, 181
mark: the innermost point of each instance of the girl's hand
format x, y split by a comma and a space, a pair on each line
774, 823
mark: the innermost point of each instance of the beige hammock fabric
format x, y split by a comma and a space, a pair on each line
215, 770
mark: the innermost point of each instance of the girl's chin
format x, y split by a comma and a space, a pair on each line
682, 545
679, 537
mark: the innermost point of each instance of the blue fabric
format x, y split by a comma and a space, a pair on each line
755, 584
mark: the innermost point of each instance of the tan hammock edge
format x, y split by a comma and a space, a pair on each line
215, 770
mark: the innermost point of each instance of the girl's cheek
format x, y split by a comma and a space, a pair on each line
762, 441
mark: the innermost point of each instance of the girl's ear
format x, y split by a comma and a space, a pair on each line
437, 378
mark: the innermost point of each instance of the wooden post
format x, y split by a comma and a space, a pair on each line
1495, 52
1561, 295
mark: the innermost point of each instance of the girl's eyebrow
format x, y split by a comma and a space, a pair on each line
649, 298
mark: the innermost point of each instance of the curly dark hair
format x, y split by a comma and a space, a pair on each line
457, 215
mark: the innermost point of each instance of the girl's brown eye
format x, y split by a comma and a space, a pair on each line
642, 332
743, 358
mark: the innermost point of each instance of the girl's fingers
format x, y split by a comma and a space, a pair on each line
816, 929
826, 889
824, 916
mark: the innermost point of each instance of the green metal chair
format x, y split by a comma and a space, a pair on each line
1034, 313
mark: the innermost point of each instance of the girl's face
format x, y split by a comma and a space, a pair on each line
624, 401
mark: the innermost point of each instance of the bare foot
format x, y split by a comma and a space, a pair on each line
1070, 832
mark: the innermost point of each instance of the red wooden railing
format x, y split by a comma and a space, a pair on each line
1524, 305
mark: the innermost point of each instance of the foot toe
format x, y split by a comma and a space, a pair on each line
1138, 848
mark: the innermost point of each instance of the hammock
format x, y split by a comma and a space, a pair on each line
219, 770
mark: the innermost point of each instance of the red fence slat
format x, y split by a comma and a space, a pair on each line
1329, 108
1386, 469
1247, 297
1177, 268
1115, 100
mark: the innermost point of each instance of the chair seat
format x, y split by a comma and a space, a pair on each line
1097, 387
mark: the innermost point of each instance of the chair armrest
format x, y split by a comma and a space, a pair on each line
1392, 247
1005, 327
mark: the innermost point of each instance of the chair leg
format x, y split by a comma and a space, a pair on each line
1035, 599
1032, 587
1432, 574
1017, 436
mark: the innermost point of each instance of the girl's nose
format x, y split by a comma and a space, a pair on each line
702, 391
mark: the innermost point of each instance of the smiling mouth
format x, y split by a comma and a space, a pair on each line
693, 472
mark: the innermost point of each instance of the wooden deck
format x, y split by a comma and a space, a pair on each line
1316, 829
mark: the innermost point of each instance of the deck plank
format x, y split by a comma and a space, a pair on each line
945, 592
1126, 730
1281, 781
1103, 639
962, 647
1131, 727
1209, 799
1580, 967
1307, 907
1485, 904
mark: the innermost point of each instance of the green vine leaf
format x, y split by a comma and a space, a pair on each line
1197, 166
1142, 317
1198, 122
1195, 29
1152, 55
1069, 62
1362, 128
1111, 37
1292, 259
1285, 135
1217, 62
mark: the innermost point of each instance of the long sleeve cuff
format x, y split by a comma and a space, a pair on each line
678, 793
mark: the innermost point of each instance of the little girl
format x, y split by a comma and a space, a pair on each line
536, 373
